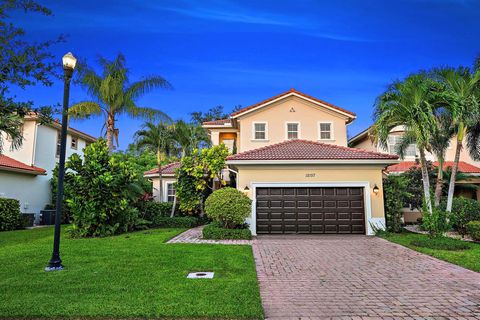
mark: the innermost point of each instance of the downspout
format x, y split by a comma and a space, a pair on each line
35, 132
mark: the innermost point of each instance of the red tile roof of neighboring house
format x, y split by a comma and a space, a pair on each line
289, 92
166, 169
9, 164
407, 165
220, 122
309, 150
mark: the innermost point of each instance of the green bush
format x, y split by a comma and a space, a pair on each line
395, 196
436, 223
10, 215
441, 243
228, 206
102, 203
464, 210
152, 209
473, 229
216, 231
174, 222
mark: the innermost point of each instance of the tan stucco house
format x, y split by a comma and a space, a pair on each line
291, 158
467, 164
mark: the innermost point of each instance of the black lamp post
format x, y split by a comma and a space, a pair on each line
69, 62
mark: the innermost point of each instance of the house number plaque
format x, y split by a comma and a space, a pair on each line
309, 175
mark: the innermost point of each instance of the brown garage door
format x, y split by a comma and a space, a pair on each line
310, 210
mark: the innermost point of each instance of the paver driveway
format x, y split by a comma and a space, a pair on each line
358, 276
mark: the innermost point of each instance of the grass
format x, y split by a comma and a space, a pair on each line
129, 276
465, 254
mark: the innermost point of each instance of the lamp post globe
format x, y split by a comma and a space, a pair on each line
69, 62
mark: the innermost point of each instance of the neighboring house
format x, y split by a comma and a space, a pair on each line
25, 173
467, 165
168, 180
292, 160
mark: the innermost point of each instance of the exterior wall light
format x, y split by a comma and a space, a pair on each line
246, 188
375, 189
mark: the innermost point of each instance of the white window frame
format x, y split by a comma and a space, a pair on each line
253, 130
332, 137
76, 143
389, 146
167, 184
298, 130
57, 145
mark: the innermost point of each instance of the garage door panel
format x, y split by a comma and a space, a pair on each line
310, 210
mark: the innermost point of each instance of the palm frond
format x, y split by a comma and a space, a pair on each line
149, 114
84, 110
140, 88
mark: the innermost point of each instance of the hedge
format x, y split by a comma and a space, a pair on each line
10, 215
473, 228
153, 209
175, 222
215, 231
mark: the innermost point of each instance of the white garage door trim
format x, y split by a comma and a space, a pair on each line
379, 222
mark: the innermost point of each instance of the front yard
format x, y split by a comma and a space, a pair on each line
469, 257
127, 276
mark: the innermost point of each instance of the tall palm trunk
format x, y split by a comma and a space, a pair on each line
453, 177
159, 164
439, 183
426, 181
110, 131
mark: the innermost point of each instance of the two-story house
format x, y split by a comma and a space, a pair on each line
467, 165
292, 160
25, 173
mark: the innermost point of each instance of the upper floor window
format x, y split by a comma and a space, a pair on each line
292, 130
59, 140
74, 143
170, 192
325, 131
260, 131
394, 142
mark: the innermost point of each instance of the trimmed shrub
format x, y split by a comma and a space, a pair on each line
175, 222
395, 196
436, 223
228, 206
441, 243
216, 231
10, 215
464, 210
152, 209
473, 229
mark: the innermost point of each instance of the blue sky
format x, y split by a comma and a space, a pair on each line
241, 52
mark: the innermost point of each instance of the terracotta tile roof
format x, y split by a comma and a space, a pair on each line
166, 169
289, 92
309, 150
406, 165
9, 164
220, 122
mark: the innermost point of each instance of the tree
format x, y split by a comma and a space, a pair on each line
23, 64
461, 98
159, 138
115, 95
214, 113
408, 103
190, 136
196, 174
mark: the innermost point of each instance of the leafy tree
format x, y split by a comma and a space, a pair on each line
22, 64
409, 103
105, 190
114, 95
196, 174
462, 98
214, 113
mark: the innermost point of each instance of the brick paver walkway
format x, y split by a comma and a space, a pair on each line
194, 235
359, 277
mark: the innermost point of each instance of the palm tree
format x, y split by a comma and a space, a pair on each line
11, 125
189, 137
408, 103
159, 138
114, 95
462, 95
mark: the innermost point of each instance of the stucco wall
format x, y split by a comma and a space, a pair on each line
156, 188
278, 114
32, 191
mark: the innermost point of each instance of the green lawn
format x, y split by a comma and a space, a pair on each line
469, 258
129, 276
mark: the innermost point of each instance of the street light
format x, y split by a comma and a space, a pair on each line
69, 62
